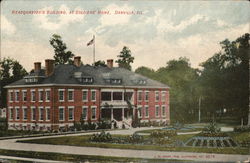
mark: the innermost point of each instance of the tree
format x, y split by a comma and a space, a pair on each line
10, 71
100, 63
225, 79
145, 71
61, 55
125, 58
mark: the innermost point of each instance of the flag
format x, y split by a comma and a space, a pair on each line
91, 42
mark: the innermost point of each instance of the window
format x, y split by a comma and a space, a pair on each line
85, 95
139, 95
93, 95
157, 110
71, 113
24, 113
61, 113
163, 96
24, 95
139, 112
41, 113
146, 111
40, 95
117, 96
128, 96
47, 95
11, 113
33, 95
70, 95
93, 113
17, 113
106, 96
156, 96
61, 94
146, 95
11, 96
163, 109
33, 113
17, 95
84, 112
47, 113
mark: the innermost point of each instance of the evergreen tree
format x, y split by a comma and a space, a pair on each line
125, 58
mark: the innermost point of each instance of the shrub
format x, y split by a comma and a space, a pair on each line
242, 129
104, 125
135, 138
162, 134
102, 137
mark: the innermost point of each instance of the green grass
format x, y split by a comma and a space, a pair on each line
76, 158
4, 133
84, 141
152, 130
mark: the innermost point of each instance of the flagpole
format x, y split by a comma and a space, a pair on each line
94, 50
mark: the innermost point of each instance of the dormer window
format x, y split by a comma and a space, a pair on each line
31, 79
141, 82
116, 81
86, 80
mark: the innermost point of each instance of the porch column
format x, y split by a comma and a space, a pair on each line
122, 114
112, 116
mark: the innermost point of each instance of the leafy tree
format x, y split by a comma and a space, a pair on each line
10, 71
61, 55
125, 58
100, 63
145, 71
225, 79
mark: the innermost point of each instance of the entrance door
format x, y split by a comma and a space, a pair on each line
117, 112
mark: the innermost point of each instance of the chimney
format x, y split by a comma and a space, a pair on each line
49, 67
110, 63
37, 66
77, 61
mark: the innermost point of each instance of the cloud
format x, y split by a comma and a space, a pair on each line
44, 21
26, 52
7, 26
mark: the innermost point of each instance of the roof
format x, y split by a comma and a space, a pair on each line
65, 75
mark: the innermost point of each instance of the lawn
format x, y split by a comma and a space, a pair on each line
84, 141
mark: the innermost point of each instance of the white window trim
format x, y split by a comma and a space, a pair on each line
73, 116
156, 96
32, 108
16, 96
46, 116
162, 92
17, 107
145, 96
85, 107
92, 107
39, 109
146, 106
163, 106
46, 95
31, 99
141, 95
39, 97
23, 95
158, 112
87, 94
59, 95
11, 117
93, 90
72, 95
140, 106
61, 107
11, 91
25, 107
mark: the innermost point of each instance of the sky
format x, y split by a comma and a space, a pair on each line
156, 32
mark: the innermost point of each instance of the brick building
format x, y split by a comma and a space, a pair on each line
57, 96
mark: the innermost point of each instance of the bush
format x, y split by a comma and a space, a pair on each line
162, 134
242, 129
135, 138
104, 125
102, 137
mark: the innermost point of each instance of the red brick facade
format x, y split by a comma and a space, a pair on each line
44, 120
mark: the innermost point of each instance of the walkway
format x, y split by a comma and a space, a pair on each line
4, 158
11, 144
